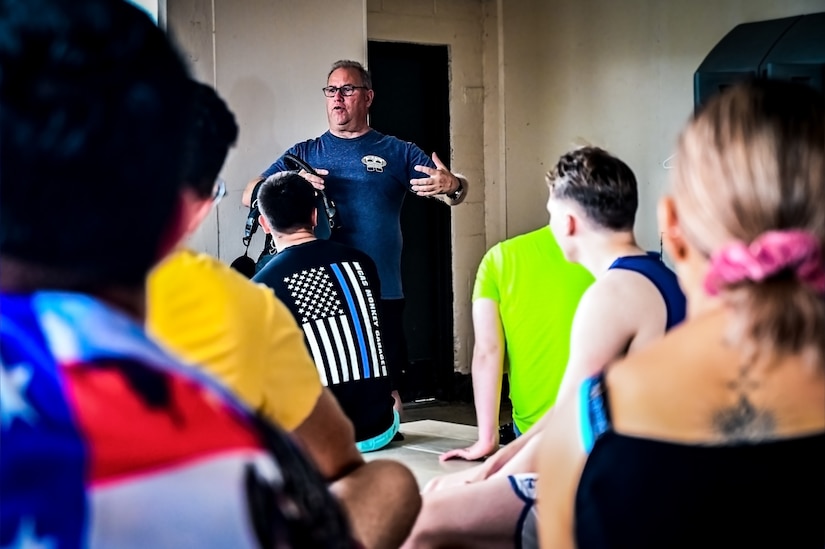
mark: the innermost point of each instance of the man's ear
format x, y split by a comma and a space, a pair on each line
570, 224
370, 97
264, 224
193, 210
314, 218
673, 239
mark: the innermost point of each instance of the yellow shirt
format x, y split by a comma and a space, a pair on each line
210, 315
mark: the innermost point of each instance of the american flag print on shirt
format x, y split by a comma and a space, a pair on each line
109, 442
338, 312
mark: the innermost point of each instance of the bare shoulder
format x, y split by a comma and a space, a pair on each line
641, 303
616, 296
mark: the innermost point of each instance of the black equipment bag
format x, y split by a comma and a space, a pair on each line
327, 212
327, 221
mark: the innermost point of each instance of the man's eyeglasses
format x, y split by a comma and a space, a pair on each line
218, 191
346, 90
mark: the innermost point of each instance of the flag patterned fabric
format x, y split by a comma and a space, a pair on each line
108, 442
338, 311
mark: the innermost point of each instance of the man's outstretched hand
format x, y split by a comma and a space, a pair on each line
439, 181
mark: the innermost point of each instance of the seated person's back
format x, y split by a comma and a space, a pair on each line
333, 291
211, 316
107, 441
715, 436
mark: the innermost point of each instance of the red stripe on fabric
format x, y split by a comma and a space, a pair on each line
125, 435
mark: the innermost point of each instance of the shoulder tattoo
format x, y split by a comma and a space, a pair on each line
743, 421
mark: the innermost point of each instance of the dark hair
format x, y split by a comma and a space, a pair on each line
366, 79
94, 113
600, 183
214, 131
287, 201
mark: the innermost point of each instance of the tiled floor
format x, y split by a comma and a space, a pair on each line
431, 429
424, 441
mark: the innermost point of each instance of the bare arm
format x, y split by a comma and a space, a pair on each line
560, 460
487, 369
246, 197
327, 436
380, 498
499, 464
602, 330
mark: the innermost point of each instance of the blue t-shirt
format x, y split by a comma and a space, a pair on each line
368, 179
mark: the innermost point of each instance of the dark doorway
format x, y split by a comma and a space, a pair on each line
411, 84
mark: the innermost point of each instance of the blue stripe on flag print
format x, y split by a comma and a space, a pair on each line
365, 316
359, 332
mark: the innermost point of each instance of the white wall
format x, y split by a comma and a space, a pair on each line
269, 60
616, 73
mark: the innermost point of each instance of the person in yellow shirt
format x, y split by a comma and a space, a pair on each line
210, 315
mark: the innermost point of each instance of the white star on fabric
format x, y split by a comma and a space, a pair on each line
13, 403
26, 539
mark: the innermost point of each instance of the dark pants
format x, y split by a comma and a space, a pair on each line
395, 344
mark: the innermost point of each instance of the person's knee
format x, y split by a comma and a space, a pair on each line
399, 486
383, 500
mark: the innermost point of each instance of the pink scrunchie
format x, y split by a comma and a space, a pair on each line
769, 254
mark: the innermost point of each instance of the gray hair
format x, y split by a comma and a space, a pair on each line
366, 79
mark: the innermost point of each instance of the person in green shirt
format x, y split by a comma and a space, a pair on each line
524, 299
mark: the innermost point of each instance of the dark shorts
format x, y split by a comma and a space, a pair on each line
395, 343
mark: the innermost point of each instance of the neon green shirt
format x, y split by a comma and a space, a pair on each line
537, 292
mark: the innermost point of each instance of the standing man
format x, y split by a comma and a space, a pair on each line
367, 175
333, 292
524, 299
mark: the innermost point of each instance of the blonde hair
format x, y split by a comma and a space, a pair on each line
753, 161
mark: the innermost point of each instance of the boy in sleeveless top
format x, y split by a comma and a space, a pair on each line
715, 435
633, 301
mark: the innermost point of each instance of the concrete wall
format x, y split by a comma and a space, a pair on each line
616, 74
458, 24
269, 60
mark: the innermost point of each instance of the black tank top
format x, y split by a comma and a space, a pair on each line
641, 493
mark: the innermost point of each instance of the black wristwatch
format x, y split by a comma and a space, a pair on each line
455, 195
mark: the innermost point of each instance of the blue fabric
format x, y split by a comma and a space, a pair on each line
379, 441
77, 379
653, 268
368, 179
27, 472
594, 418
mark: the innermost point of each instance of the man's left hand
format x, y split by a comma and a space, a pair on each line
439, 180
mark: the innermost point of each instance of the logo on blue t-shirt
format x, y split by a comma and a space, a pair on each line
374, 163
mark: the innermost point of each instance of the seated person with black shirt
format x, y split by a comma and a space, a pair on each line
333, 291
